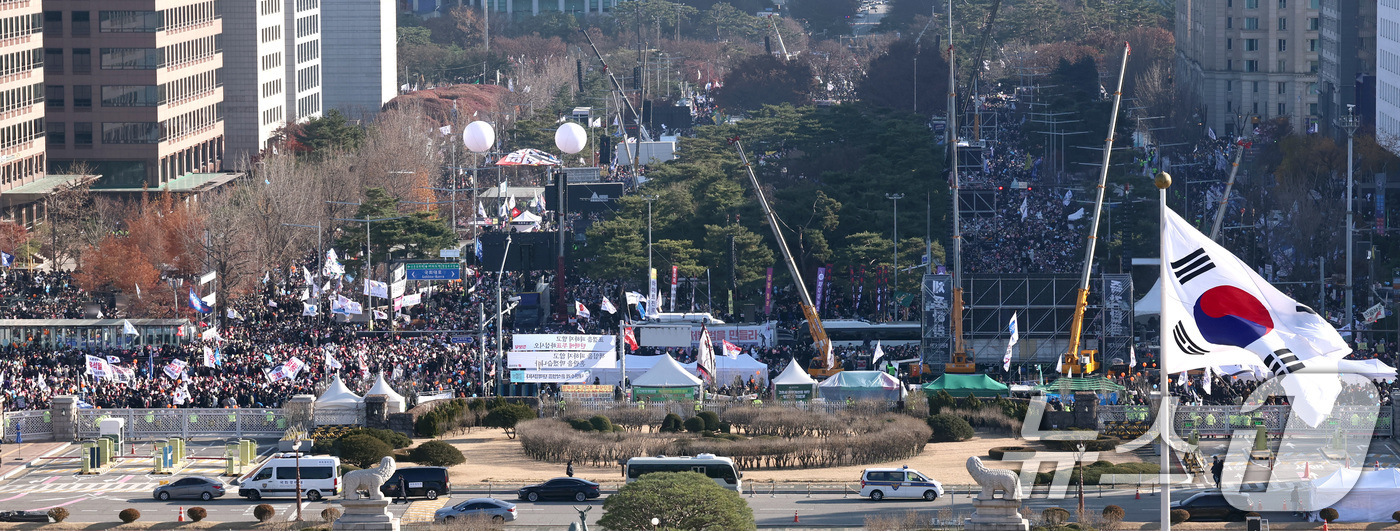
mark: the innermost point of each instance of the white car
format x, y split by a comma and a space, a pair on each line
880, 483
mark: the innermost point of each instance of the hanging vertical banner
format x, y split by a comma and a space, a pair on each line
653, 297
1380, 204
937, 344
768, 293
675, 272
821, 278
830, 281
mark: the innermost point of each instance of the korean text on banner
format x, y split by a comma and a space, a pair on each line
564, 343
564, 360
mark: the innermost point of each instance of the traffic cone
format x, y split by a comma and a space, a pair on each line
794, 517
1137, 493
1307, 470
182, 515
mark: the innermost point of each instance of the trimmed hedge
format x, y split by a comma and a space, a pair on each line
196, 513
600, 423
58, 514
437, 453
1103, 443
129, 515
999, 452
330, 514
948, 428
1329, 514
264, 512
711, 419
1055, 515
672, 423
694, 424
1094, 471
1114, 513
1180, 515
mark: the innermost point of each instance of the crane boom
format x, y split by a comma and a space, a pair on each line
814, 321
779, 34
617, 86
1076, 361
976, 66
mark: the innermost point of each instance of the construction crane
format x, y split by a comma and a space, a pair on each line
825, 362
642, 134
1078, 361
960, 362
786, 56
976, 69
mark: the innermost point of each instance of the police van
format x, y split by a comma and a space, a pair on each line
880, 483
320, 478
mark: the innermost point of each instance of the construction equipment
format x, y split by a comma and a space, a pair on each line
786, 56
976, 70
960, 362
1078, 361
824, 364
620, 94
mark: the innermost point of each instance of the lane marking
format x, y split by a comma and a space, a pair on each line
70, 502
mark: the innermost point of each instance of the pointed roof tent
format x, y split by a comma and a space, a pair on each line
1151, 303
666, 373
395, 401
794, 375
338, 396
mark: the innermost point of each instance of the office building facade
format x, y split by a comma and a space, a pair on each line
1348, 63
1250, 58
1388, 72
22, 127
359, 60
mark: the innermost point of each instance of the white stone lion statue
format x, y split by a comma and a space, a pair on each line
992, 480
369, 479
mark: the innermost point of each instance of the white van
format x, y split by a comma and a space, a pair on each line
880, 483
320, 478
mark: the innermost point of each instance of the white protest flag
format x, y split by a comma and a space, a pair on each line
731, 350
705, 355
607, 306
1220, 312
1132, 356
879, 353
1077, 215
582, 311
331, 363
176, 369
308, 309
376, 289
98, 367
208, 357
128, 329
397, 289
1025, 208
1015, 336
332, 267
379, 314
1206, 379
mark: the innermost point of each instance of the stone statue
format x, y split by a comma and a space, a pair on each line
369, 479
582, 524
992, 480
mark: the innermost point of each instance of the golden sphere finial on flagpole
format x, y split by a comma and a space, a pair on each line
1163, 180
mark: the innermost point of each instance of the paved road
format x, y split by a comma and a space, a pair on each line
867, 24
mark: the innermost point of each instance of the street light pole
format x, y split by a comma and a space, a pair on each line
369, 260
895, 291
1350, 122
500, 314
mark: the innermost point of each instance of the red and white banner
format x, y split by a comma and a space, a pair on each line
563, 343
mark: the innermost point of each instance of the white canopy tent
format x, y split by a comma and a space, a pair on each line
726, 369
395, 401
861, 385
1359, 496
526, 222
666, 372
794, 383
338, 396
1151, 303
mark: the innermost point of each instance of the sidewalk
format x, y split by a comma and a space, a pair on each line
16, 457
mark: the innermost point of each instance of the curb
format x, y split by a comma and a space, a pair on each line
35, 461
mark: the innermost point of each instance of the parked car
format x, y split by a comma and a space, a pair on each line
1210, 505
561, 488
24, 516
498, 510
190, 487
426, 481
880, 483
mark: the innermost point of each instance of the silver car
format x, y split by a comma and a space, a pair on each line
191, 487
496, 510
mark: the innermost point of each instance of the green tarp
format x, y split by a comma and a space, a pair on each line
961, 385
1092, 383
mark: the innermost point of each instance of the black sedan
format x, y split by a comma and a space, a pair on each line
561, 489
1210, 505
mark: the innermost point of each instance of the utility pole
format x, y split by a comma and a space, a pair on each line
1350, 122
895, 291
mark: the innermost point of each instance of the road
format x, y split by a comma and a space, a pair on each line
866, 25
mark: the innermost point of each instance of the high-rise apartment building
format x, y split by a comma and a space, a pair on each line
134, 88
359, 58
1388, 72
1348, 63
272, 62
21, 99
1249, 58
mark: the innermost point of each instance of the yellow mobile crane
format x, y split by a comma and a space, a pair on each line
824, 364
1078, 361
960, 362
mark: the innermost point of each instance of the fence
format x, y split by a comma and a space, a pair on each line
1222, 421
347, 416
32, 426
144, 424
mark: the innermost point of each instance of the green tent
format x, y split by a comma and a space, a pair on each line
1091, 383
961, 385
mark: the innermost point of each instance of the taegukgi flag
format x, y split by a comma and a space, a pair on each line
1015, 336
1217, 311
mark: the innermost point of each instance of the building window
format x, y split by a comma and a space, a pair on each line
1313, 24
58, 134
128, 21
1251, 23
82, 23
1282, 23
130, 132
1312, 45
1229, 85
1312, 108
1229, 22
1251, 4
54, 97
1282, 66
1229, 64
1256, 108
53, 60
130, 96
1229, 44
1282, 88
130, 58
82, 97
1255, 86
1250, 65
82, 60
1251, 45
53, 23
1229, 106
1283, 4
82, 135
1312, 4
1312, 66
1283, 45
1282, 109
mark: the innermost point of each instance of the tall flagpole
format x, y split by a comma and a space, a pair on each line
1164, 410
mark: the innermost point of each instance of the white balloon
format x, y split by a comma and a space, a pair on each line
570, 138
479, 136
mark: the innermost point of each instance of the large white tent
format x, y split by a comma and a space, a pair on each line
861, 385
726, 369
666, 380
338, 396
1151, 303
394, 402
1359, 496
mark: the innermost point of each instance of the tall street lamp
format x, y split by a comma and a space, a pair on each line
369, 260
1350, 123
570, 138
895, 291
478, 136
500, 313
